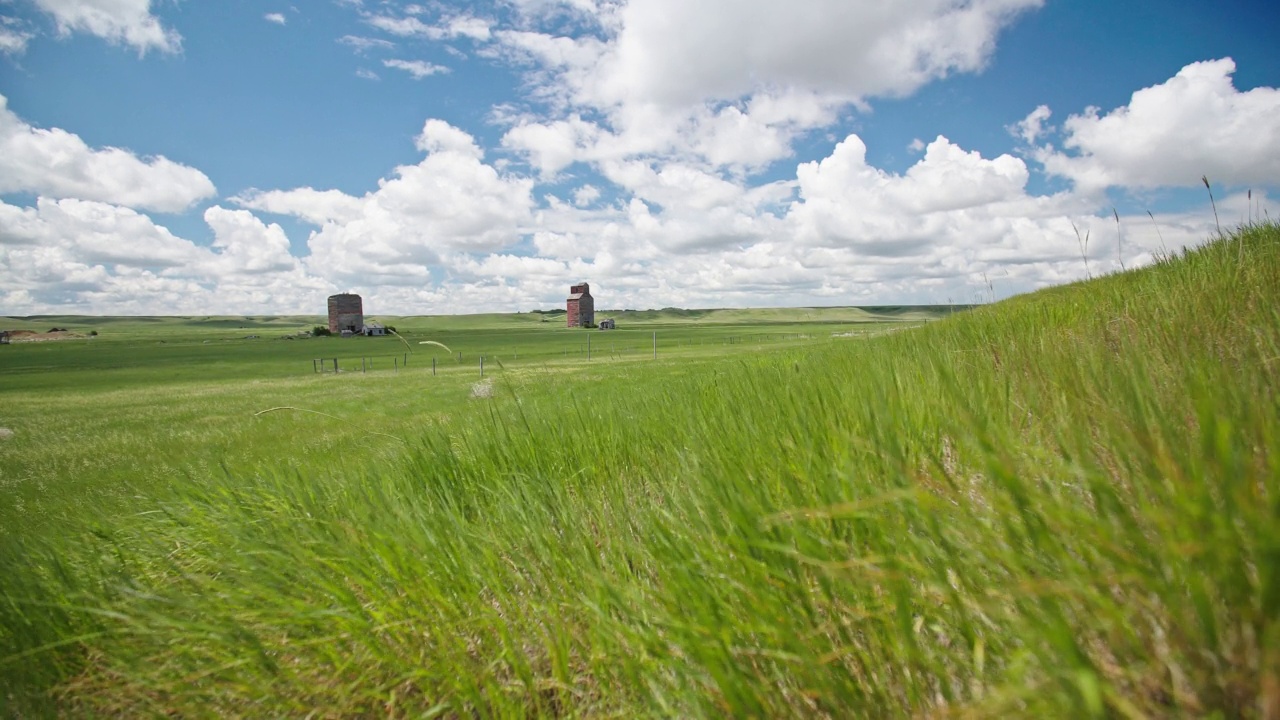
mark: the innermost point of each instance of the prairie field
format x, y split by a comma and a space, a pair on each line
1065, 504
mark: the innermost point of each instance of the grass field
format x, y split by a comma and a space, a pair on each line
1062, 505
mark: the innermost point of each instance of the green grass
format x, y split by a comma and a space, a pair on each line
1062, 505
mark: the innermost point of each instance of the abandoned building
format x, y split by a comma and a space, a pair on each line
580, 306
374, 329
608, 324
346, 314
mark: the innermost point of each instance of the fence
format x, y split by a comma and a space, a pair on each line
331, 365
612, 346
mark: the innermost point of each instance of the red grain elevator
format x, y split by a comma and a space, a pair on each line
346, 313
580, 307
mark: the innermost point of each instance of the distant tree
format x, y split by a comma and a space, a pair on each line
320, 330
93, 333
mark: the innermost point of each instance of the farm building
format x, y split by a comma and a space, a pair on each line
346, 314
581, 307
374, 329
608, 324
4, 337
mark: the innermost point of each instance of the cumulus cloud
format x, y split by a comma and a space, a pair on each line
737, 139
126, 22
586, 195
59, 164
843, 199
670, 51
277, 18
97, 233
315, 206
732, 84
93, 257
439, 137
1195, 124
1032, 127
417, 68
451, 202
552, 146
248, 245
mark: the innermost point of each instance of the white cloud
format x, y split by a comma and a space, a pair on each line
277, 18
551, 147
846, 202
732, 83
681, 53
315, 206
448, 204
92, 257
739, 139
400, 27
13, 36
247, 244
58, 163
128, 22
1195, 124
410, 25
1032, 127
439, 137
586, 195
363, 44
466, 26
417, 68
97, 232
367, 74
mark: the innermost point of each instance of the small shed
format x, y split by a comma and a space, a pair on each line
374, 329
608, 324
4, 337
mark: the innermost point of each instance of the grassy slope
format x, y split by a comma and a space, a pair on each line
99, 421
1067, 504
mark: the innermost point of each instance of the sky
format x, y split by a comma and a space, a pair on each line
252, 157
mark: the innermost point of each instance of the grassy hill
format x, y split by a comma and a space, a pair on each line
1062, 505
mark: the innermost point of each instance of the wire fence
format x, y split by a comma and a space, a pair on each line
610, 347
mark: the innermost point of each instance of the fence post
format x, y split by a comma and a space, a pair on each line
481, 366
433, 367
362, 368
395, 361
655, 344
313, 366
406, 359
335, 366
588, 348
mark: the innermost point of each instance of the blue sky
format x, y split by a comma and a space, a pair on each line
180, 156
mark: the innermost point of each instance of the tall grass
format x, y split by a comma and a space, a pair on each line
1066, 504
